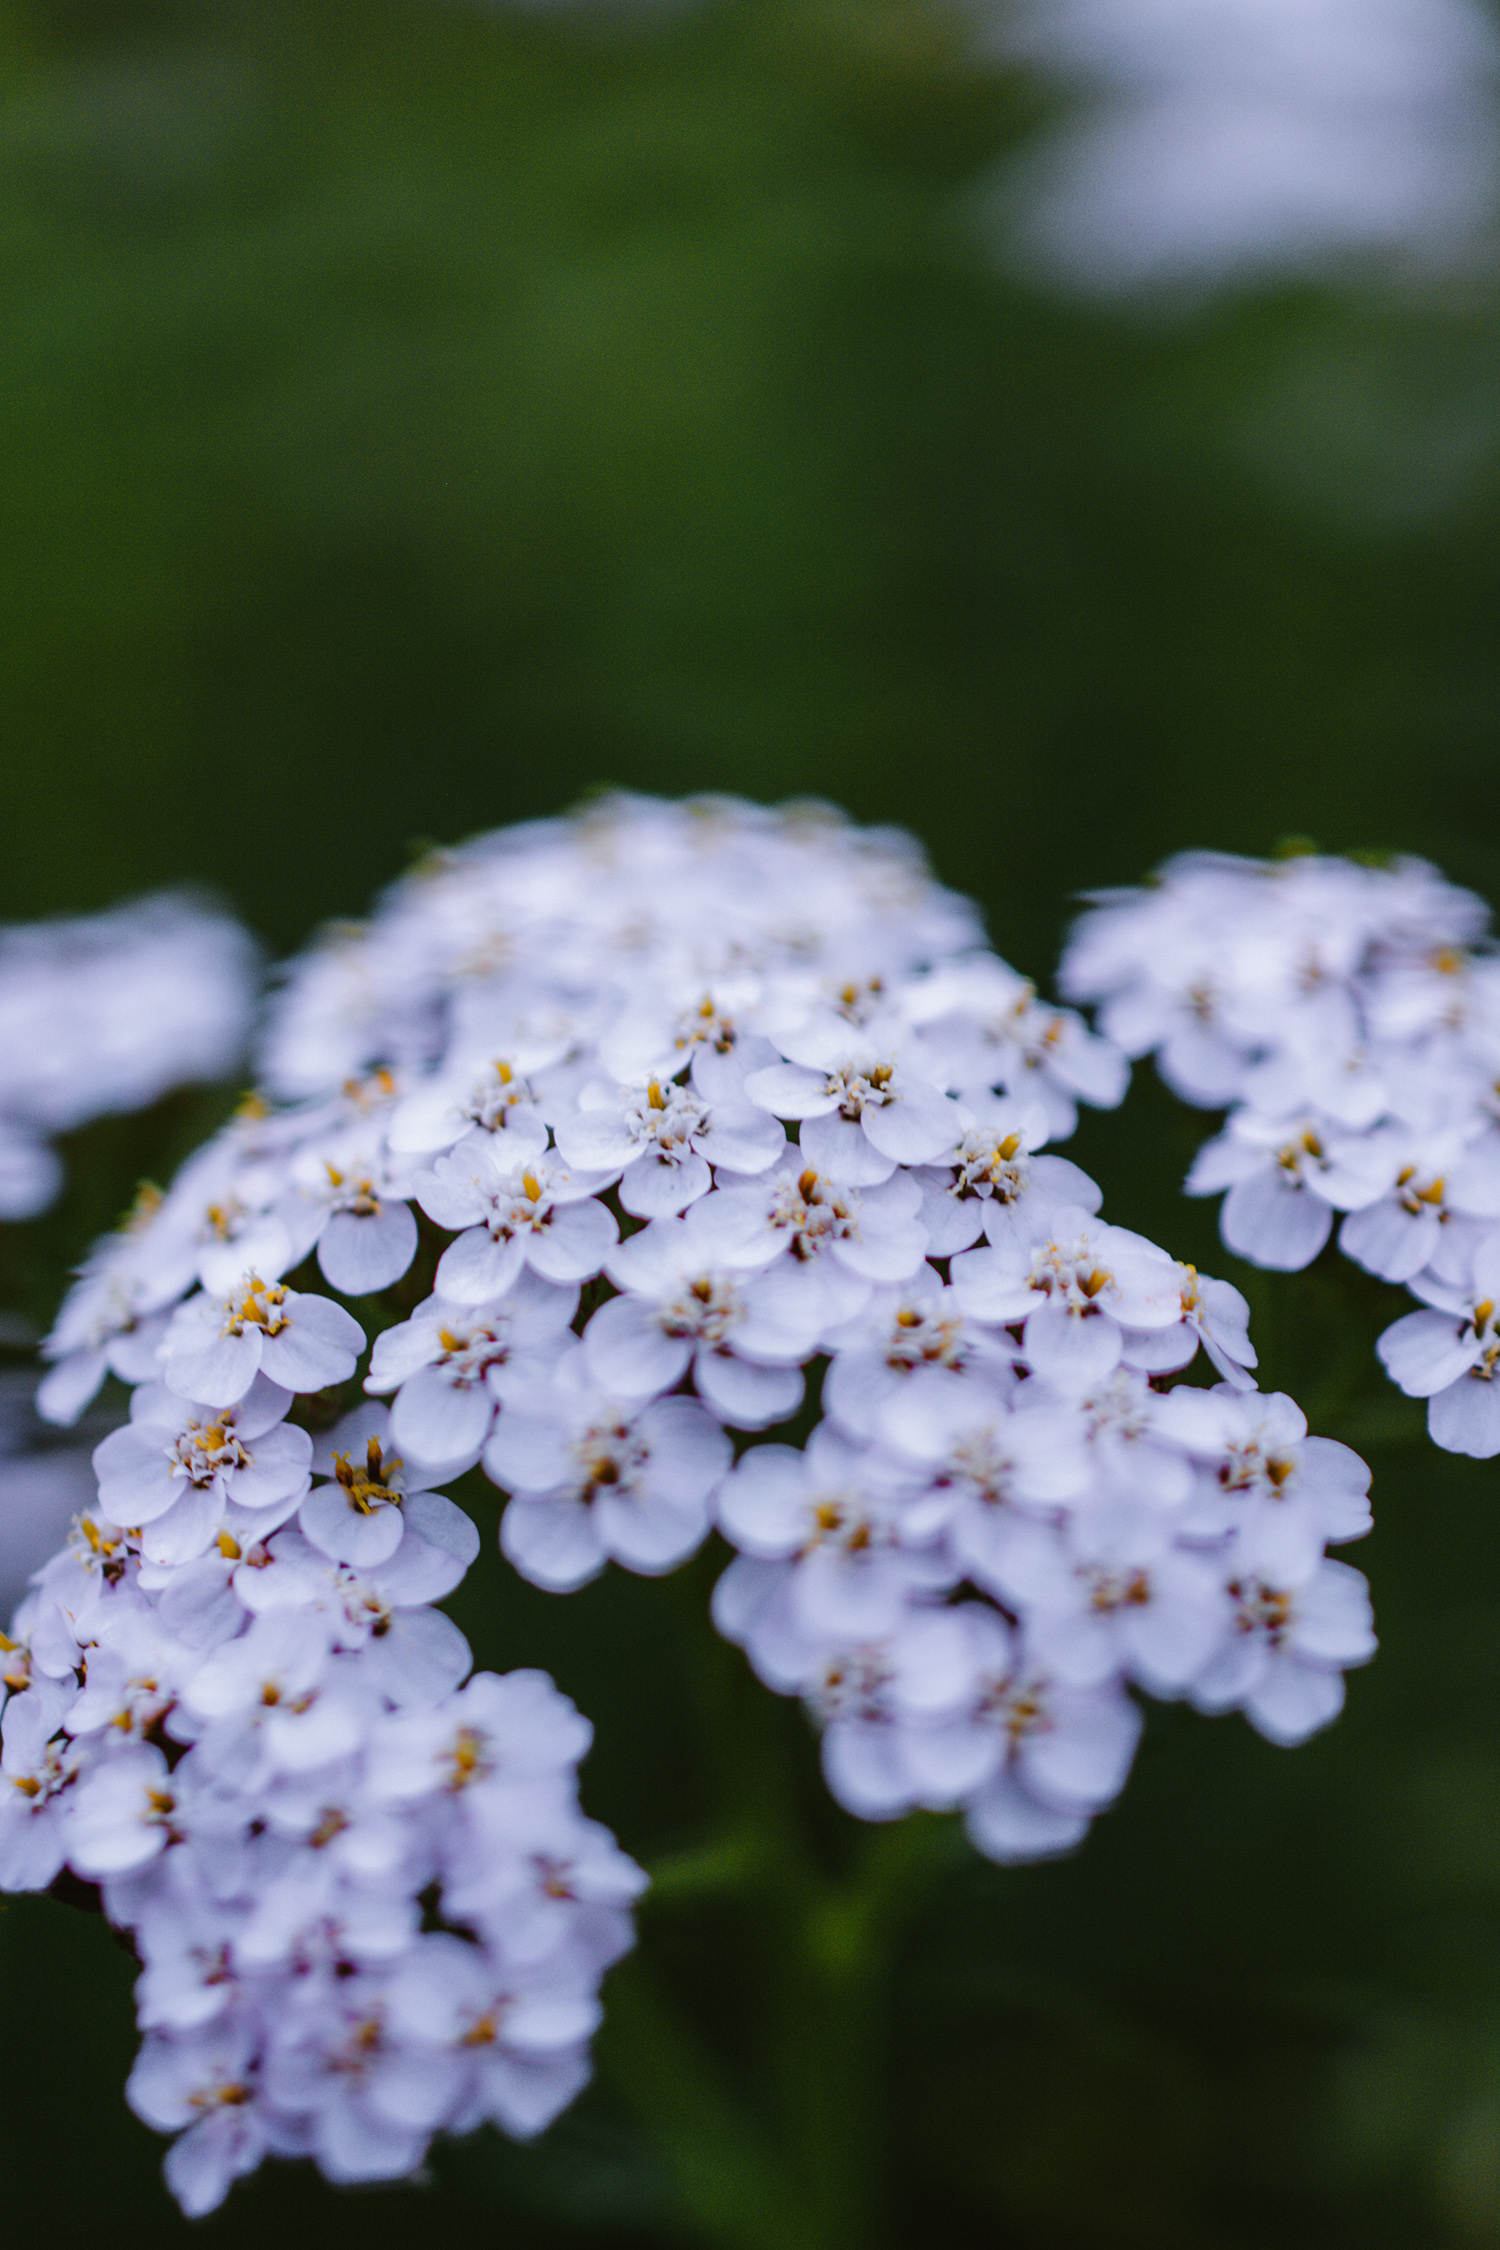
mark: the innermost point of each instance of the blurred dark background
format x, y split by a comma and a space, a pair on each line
419, 415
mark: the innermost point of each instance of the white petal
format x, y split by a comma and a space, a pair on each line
648, 1535
746, 1397
790, 1090
554, 1543
841, 1149
1007, 1824
742, 1139
361, 1255
527, 1453
1425, 1352
658, 1187
1275, 1224
919, 1128
574, 1244
1465, 1418
1294, 1701
345, 1532
1072, 1350
433, 1419
476, 1268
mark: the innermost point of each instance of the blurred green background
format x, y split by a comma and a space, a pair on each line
420, 414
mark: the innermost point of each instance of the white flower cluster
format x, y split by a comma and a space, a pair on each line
259, 1748
576, 1049
1349, 1018
106, 1013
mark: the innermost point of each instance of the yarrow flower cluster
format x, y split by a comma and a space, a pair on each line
690, 1119
106, 1013
365, 1899
1348, 1017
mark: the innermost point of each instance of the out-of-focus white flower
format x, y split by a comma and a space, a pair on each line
1287, 1649
107, 1013
1235, 138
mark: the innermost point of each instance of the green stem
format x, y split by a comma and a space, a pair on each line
793, 2159
731, 2185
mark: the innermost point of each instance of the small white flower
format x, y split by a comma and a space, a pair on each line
999, 1467
1113, 1595
189, 1471
992, 1183
1053, 1755
661, 1138
594, 1477
1287, 1649
205, 2082
830, 1522
520, 2032
688, 1303
921, 1326
538, 1214
216, 1346
1083, 1286
1448, 1354
863, 1109
894, 1715
712, 1028
1284, 1494
985, 1028
348, 1201
451, 1364
477, 1094
357, 1516
123, 1813
823, 1245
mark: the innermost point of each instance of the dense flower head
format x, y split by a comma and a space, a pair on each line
106, 1012
691, 1113
1348, 1018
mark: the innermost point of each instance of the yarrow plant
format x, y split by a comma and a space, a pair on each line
694, 1119
104, 1013
1348, 1018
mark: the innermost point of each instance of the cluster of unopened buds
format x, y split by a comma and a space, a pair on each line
1348, 1017
696, 1103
